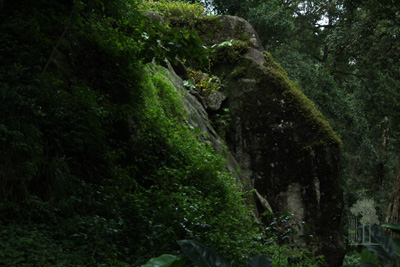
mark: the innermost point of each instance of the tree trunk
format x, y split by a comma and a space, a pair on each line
394, 206
394, 203
381, 157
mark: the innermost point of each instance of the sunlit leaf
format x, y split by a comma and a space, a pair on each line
392, 226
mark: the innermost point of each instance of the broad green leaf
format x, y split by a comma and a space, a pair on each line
392, 226
166, 260
201, 255
259, 261
397, 250
382, 244
226, 43
368, 257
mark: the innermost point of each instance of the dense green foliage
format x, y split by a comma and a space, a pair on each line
201, 256
95, 166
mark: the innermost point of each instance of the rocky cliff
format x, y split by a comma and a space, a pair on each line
274, 133
108, 151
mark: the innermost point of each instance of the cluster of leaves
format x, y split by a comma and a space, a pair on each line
281, 232
278, 232
204, 83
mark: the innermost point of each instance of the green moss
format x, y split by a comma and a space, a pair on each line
176, 13
270, 62
297, 101
240, 32
208, 28
229, 51
304, 107
239, 72
165, 95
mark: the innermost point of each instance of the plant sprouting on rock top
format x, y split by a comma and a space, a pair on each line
204, 82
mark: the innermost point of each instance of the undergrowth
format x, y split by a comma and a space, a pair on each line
96, 164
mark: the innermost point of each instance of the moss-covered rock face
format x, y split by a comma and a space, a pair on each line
275, 133
209, 130
281, 140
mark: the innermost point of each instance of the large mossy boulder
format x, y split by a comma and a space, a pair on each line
279, 138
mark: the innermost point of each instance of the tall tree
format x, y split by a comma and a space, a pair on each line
393, 213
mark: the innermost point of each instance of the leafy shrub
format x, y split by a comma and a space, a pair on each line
281, 229
185, 184
351, 258
35, 245
204, 83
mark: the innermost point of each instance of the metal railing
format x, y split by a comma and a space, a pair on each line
359, 234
